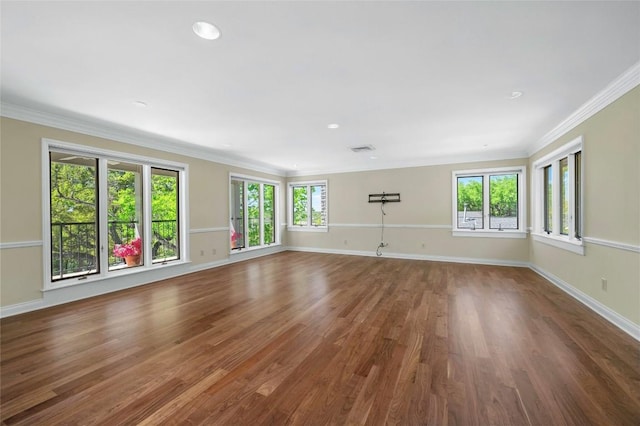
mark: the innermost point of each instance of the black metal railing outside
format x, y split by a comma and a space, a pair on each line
74, 245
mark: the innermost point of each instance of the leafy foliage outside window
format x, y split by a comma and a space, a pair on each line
559, 185
503, 201
470, 202
308, 204
489, 194
300, 209
74, 216
164, 213
253, 207
124, 207
269, 214
74, 208
258, 212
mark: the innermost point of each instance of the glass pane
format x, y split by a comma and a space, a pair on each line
318, 205
74, 216
236, 227
253, 206
578, 193
165, 239
564, 196
300, 215
269, 221
503, 201
124, 212
548, 199
470, 202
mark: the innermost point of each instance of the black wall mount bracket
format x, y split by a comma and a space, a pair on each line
393, 197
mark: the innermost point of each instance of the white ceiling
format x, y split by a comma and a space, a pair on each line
420, 81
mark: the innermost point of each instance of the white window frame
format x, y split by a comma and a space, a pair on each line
247, 179
103, 156
485, 231
567, 242
308, 227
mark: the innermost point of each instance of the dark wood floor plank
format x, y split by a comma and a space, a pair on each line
303, 338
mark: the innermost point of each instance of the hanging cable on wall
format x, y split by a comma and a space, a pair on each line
382, 243
383, 199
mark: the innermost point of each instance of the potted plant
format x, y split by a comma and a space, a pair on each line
130, 251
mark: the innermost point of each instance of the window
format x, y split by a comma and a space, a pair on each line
489, 202
308, 206
165, 212
253, 213
74, 221
557, 186
108, 213
124, 210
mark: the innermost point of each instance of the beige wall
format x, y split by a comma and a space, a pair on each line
611, 154
426, 201
611, 199
21, 275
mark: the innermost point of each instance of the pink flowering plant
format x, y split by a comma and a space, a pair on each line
132, 248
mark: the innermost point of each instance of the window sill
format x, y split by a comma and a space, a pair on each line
574, 246
482, 233
113, 274
308, 228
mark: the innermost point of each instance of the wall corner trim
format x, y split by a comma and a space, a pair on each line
613, 317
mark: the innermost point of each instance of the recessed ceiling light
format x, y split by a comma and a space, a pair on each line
515, 95
373, 157
333, 126
140, 104
206, 30
485, 145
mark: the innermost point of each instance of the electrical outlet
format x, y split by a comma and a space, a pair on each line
423, 245
201, 252
604, 284
345, 242
214, 251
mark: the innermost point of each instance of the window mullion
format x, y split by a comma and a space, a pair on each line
290, 205
261, 212
557, 200
245, 212
147, 217
485, 201
572, 196
309, 208
103, 219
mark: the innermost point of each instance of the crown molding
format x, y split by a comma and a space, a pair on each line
616, 89
103, 129
620, 86
421, 162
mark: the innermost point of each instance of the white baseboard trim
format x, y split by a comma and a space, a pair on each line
71, 295
451, 259
78, 292
21, 308
613, 317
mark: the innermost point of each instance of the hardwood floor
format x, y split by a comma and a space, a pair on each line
301, 338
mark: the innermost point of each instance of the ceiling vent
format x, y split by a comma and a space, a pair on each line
363, 148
